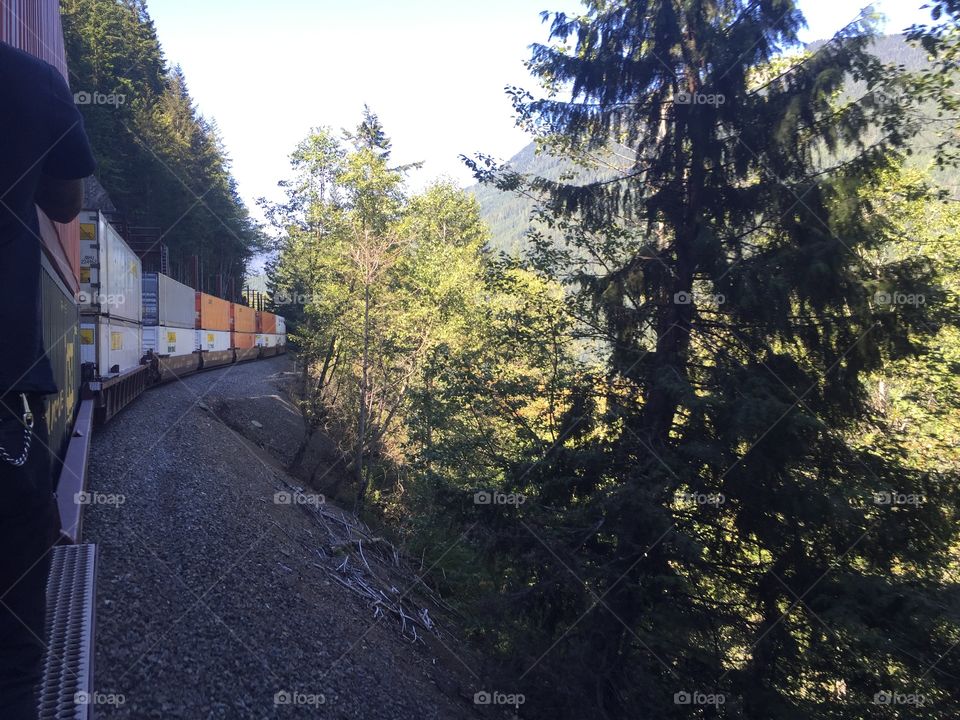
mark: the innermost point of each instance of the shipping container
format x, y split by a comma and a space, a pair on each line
168, 303
111, 345
34, 27
211, 313
110, 277
61, 246
266, 340
243, 340
61, 332
164, 341
266, 323
243, 319
212, 340
281, 325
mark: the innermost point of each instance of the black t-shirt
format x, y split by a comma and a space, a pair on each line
41, 133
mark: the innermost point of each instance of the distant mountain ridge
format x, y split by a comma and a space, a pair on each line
508, 214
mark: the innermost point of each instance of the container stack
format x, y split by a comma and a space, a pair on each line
243, 321
270, 333
244, 325
109, 299
169, 316
212, 322
266, 329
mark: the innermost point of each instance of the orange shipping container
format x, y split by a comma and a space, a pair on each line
243, 340
212, 313
244, 318
266, 323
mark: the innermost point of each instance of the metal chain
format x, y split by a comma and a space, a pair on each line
27, 437
20, 461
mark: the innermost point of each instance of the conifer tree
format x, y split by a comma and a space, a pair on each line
163, 164
720, 548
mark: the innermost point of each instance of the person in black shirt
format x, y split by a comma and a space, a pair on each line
44, 154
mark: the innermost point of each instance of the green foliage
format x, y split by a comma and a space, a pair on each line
725, 417
509, 214
389, 285
163, 164
915, 400
733, 281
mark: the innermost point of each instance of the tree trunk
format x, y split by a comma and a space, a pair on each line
364, 390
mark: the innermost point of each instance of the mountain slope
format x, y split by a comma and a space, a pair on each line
508, 214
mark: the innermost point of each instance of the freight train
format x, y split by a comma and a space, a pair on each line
139, 329
111, 331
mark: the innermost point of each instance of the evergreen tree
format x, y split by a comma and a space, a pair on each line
163, 164
722, 535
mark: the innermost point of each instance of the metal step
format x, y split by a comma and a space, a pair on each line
68, 666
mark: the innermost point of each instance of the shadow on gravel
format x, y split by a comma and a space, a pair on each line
226, 592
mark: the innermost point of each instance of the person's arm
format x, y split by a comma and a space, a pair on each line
61, 200
60, 191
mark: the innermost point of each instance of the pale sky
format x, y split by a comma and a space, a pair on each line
434, 70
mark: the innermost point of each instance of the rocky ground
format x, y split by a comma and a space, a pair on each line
217, 598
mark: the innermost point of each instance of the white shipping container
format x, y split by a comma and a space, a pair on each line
209, 340
109, 271
168, 340
282, 339
168, 303
266, 340
281, 325
111, 344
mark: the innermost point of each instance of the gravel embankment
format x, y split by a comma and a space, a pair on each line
213, 598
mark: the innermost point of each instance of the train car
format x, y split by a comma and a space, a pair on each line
268, 337
243, 332
111, 314
213, 327
169, 318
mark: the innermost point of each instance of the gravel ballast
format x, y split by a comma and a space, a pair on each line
216, 601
